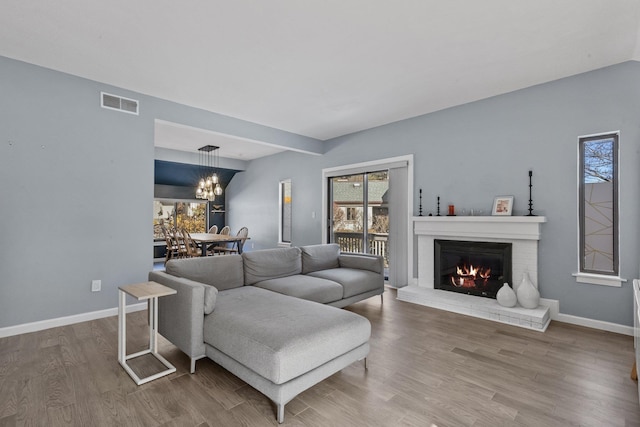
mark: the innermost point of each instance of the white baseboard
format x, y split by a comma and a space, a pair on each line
595, 324
554, 311
67, 320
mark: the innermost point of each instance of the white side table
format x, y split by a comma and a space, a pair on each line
150, 291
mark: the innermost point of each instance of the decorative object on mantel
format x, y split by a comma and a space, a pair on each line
438, 214
452, 210
530, 200
502, 205
528, 295
420, 210
506, 297
209, 186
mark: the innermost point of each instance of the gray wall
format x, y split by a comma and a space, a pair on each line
76, 184
471, 153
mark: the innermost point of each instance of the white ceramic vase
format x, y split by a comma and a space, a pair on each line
528, 295
506, 297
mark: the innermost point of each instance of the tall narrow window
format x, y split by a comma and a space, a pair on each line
285, 212
598, 200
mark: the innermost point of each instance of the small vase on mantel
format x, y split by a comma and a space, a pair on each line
506, 297
528, 295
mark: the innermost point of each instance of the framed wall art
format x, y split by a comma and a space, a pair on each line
502, 205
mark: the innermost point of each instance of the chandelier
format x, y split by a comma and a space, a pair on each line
209, 185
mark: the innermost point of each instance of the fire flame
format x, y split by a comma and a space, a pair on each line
466, 276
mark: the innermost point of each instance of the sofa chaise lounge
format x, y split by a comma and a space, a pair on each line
271, 317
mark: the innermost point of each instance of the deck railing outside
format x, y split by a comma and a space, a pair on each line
378, 243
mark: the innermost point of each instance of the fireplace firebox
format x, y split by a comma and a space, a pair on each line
474, 268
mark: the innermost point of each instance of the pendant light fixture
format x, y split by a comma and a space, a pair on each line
209, 185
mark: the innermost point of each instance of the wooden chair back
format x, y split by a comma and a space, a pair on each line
190, 246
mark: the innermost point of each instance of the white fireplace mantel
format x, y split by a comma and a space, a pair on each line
492, 227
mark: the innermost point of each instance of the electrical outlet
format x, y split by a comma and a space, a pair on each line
96, 285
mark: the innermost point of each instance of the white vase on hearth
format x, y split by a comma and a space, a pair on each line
506, 297
528, 295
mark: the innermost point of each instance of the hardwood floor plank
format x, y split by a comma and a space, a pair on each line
59, 389
149, 406
61, 416
31, 405
114, 410
199, 398
9, 421
8, 391
247, 415
219, 385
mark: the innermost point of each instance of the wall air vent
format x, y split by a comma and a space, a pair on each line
114, 102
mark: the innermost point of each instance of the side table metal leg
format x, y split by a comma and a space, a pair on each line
153, 326
122, 327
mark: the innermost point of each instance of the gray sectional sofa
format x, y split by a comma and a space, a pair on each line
271, 317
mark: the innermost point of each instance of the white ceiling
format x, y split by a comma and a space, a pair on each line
321, 68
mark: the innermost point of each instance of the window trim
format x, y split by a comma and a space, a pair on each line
584, 275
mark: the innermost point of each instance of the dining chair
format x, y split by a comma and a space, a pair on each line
221, 247
243, 233
212, 230
177, 238
192, 248
172, 246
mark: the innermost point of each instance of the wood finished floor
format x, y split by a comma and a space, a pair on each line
426, 368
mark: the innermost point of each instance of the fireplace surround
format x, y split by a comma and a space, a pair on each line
522, 232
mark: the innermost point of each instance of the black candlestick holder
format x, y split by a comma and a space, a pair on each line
438, 214
420, 209
530, 200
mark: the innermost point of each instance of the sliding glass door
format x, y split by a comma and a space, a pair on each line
359, 213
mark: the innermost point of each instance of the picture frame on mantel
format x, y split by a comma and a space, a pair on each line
502, 205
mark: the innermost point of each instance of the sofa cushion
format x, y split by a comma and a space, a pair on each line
305, 287
353, 281
320, 257
223, 272
270, 264
280, 337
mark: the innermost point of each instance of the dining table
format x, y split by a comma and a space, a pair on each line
205, 239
